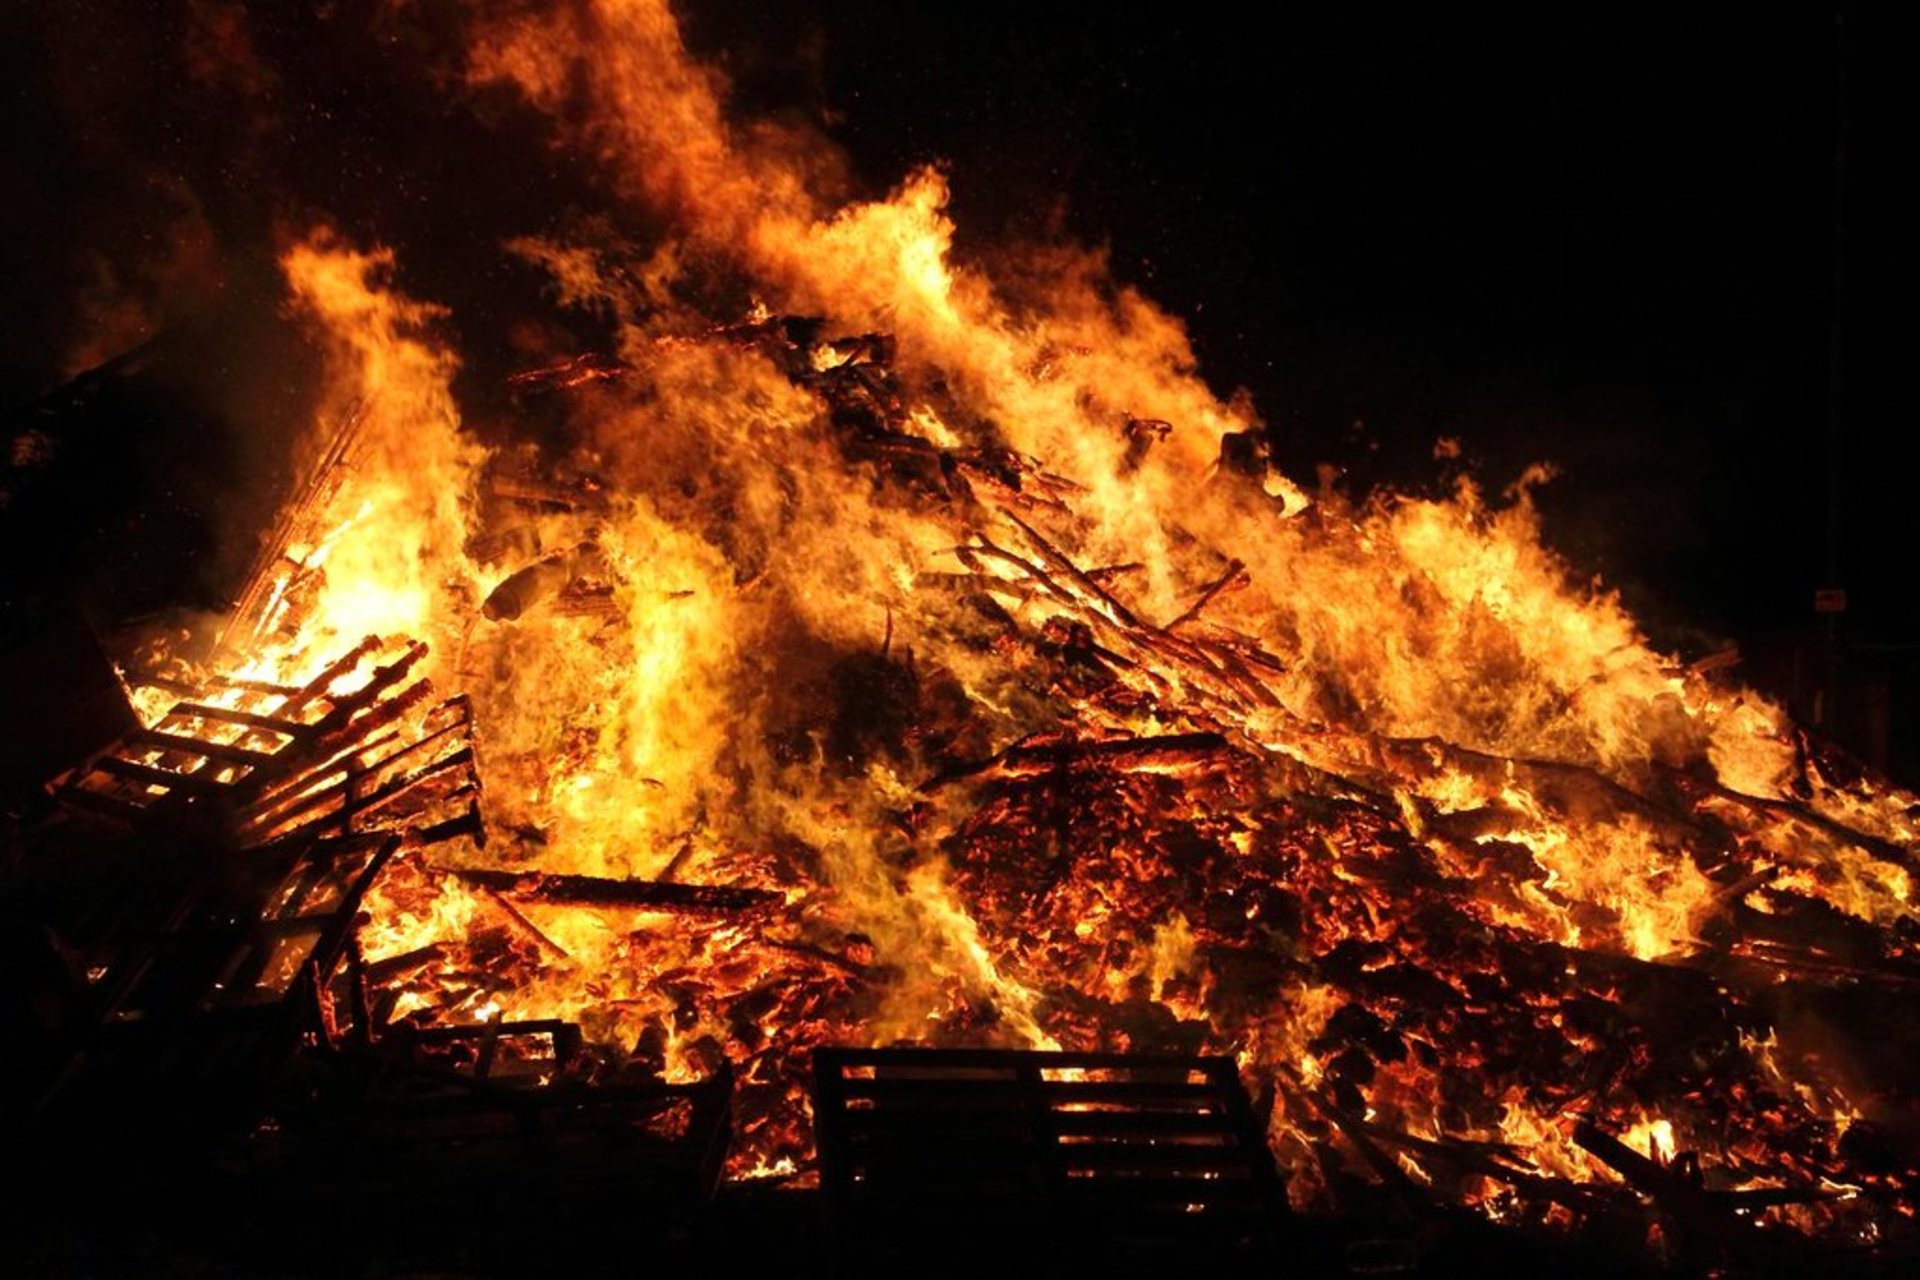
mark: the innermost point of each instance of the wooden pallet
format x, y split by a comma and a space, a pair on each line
494, 1135
1091, 1156
355, 748
193, 1021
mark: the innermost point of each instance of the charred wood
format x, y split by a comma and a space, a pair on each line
654, 895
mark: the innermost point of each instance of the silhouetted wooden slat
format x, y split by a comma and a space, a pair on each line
1068, 1128
101, 803
225, 752
468, 823
1195, 1160
152, 775
925, 1094
1152, 1124
597, 891
301, 508
358, 721
292, 729
279, 800
1183, 1196
300, 773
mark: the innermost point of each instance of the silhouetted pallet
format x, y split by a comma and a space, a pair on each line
1090, 1156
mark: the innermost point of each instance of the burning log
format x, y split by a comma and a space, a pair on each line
1168, 753
1709, 795
527, 926
847, 965
1777, 958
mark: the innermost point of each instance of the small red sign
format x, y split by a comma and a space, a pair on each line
1830, 600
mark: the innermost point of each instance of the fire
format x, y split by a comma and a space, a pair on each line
944, 621
1656, 1136
386, 561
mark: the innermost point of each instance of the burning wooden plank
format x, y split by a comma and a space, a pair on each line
1166, 753
599, 891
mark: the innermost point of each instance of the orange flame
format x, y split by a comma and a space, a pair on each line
725, 656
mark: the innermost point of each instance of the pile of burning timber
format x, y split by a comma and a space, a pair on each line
1310, 908
200, 1064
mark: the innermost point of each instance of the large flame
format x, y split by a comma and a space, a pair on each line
754, 634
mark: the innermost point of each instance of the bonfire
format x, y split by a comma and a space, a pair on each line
868, 646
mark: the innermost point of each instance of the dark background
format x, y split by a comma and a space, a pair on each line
1596, 236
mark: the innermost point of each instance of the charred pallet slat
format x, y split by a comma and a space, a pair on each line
654, 895
213, 750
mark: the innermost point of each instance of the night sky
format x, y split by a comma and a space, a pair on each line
1595, 236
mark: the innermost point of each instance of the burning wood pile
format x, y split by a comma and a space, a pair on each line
940, 663
1431, 998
